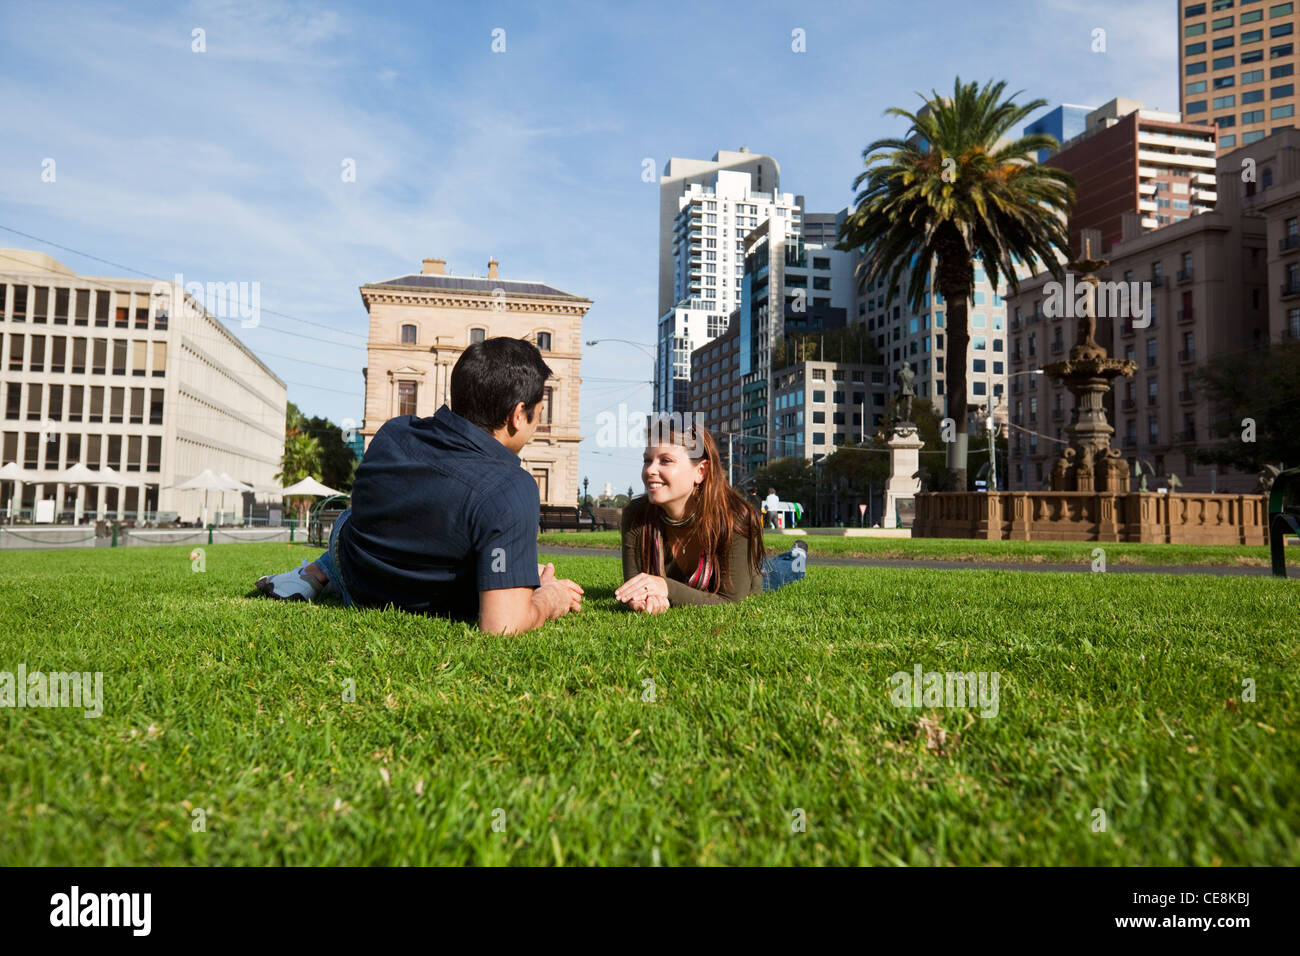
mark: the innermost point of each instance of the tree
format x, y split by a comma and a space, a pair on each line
302, 453
792, 478
1259, 386
337, 463
852, 343
956, 189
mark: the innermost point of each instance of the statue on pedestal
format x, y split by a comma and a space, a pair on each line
904, 377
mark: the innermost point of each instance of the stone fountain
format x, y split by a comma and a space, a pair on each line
1090, 463
1090, 498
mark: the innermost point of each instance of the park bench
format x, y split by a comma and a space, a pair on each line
560, 518
1283, 519
607, 519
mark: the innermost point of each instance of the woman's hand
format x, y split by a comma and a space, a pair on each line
642, 586
649, 605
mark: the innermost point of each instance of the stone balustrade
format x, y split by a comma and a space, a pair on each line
1090, 516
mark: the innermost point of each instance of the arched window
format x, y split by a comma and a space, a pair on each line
544, 341
408, 335
477, 335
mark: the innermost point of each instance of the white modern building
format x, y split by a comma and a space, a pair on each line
706, 210
110, 372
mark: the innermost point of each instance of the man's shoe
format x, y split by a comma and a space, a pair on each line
292, 585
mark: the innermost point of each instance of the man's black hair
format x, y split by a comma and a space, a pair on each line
493, 376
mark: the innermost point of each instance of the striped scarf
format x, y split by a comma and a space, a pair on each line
703, 571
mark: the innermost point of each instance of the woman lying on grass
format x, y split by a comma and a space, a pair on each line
691, 539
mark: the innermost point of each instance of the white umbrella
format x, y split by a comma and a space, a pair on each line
110, 476
235, 485
78, 474
310, 486
11, 472
206, 481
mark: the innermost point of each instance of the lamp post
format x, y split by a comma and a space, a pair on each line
586, 498
648, 349
732, 436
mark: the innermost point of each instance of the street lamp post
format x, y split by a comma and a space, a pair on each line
742, 438
648, 349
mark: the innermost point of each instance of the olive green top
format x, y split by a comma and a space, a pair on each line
744, 581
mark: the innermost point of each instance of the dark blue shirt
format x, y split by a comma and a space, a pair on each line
440, 511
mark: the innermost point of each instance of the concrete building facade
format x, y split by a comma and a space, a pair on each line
1275, 194
420, 324
1219, 285
122, 373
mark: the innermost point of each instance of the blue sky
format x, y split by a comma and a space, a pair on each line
225, 165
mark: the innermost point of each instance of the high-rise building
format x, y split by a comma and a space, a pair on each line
113, 373
791, 287
1132, 159
1064, 123
1237, 67
706, 209
920, 338
420, 325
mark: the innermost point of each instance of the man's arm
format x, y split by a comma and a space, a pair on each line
514, 610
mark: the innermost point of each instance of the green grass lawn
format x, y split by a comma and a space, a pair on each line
1122, 693
954, 549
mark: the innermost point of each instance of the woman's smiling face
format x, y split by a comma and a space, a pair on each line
670, 475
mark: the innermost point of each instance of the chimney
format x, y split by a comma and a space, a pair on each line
434, 267
492, 268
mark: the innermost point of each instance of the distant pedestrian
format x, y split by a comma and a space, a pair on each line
771, 504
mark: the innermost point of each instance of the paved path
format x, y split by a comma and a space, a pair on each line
1217, 570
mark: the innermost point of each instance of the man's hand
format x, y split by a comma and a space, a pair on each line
557, 597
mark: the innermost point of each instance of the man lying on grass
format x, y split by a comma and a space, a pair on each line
691, 538
443, 520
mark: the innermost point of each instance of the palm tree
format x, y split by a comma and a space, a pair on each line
302, 452
956, 189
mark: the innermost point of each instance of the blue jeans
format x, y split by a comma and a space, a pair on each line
782, 570
329, 563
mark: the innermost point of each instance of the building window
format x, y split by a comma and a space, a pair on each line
408, 335
544, 341
406, 392
477, 335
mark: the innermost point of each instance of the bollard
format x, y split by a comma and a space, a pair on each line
114, 544
210, 534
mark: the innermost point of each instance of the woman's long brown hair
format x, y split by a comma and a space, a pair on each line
720, 511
